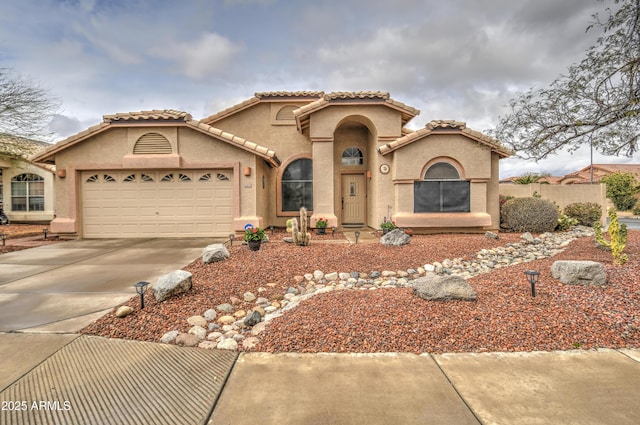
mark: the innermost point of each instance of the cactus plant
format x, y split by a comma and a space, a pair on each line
617, 237
300, 235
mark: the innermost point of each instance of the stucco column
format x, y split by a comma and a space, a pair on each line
323, 182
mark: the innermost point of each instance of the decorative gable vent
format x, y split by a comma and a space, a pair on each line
152, 143
286, 113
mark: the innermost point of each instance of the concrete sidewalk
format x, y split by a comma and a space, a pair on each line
70, 379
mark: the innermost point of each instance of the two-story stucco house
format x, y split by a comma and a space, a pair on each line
345, 156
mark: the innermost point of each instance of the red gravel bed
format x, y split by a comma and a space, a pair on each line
504, 318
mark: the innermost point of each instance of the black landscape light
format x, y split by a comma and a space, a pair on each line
272, 228
532, 275
4, 238
357, 235
333, 231
44, 233
232, 236
140, 288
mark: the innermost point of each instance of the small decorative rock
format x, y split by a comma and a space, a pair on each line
248, 296
187, 340
239, 314
225, 308
214, 253
169, 337
172, 284
396, 237
443, 288
124, 311
579, 272
491, 235
250, 343
197, 321
527, 237
253, 318
210, 315
228, 344
198, 331
226, 320
208, 345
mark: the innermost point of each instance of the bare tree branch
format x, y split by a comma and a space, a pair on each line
26, 108
596, 102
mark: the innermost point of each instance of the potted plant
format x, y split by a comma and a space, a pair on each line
321, 226
387, 226
253, 236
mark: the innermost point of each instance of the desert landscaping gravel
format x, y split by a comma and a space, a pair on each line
504, 318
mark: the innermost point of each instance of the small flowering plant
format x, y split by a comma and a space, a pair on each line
321, 223
253, 233
390, 225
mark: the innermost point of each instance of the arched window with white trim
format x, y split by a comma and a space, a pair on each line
27, 192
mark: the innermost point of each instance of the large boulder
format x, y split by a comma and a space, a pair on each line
433, 287
579, 272
172, 284
215, 252
396, 237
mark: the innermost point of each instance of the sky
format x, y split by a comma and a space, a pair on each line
451, 59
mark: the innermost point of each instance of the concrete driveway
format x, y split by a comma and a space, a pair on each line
63, 287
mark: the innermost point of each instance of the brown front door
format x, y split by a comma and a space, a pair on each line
353, 199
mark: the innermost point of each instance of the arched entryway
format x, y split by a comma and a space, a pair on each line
353, 141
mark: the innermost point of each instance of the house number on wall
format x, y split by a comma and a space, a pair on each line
384, 168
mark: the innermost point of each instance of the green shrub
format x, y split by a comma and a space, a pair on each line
636, 211
533, 215
565, 222
586, 213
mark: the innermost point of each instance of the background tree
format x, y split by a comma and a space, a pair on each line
597, 102
26, 108
621, 189
529, 178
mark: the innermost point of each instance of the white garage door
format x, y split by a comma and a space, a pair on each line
156, 203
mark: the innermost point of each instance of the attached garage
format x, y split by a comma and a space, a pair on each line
171, 203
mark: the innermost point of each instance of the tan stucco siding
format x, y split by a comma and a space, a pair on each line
383, 122
475, 163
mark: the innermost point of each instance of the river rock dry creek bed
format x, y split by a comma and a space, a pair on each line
381, 314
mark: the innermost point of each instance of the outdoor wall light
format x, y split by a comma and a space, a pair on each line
44, 233
140, 288
247, 171
357, 235
232, 236
4, 238
532, 275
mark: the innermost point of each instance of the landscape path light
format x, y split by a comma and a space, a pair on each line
333, 231
357, 235
140, 288
232, 236
4, 238
44, 233
532, 275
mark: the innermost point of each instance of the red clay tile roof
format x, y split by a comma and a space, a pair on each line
20, 147
157, 115
303, 113
441, 126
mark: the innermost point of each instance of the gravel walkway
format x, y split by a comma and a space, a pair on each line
504, 318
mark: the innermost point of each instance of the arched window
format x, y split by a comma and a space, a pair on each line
442, 171
352, 156
297, 185
442, 190
27, 192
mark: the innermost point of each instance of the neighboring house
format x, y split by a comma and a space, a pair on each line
26, 189
584, 175
345, 156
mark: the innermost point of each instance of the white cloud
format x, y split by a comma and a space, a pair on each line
205, 57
